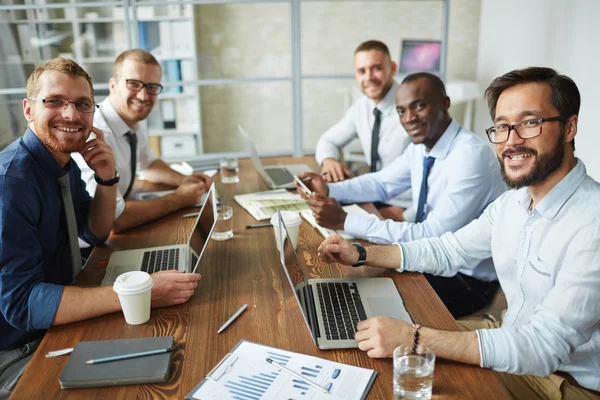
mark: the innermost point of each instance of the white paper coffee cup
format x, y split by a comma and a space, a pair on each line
292, 221
134, 290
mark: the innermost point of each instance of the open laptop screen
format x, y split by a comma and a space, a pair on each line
204, 223
296, 275
420, 56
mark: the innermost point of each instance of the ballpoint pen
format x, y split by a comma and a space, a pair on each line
258, 225
232, 318
128, 356
289, 371
194, 214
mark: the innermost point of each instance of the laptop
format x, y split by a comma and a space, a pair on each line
280, 176
182, 257
332, 307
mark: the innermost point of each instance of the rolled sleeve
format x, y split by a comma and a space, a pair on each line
43, 304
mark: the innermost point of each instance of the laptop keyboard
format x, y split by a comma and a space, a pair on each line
280, 176
160, 260
341, 308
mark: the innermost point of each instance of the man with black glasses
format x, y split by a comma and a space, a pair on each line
134, 88
544, 238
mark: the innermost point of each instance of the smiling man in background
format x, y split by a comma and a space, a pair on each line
373, 120
134, 89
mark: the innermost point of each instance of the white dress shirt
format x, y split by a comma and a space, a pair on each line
464, 179
548, 263
358, 123
108, 120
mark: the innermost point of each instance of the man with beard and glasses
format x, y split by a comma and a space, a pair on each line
373, 120
544, 238
453, 175
134, 89
44, 207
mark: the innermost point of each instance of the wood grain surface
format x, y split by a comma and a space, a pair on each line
245, 269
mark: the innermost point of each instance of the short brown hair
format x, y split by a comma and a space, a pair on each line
373, 45
564, 97
63, 65
137, 55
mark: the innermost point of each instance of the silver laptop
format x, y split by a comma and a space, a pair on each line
183, 257
280, 176
333, 307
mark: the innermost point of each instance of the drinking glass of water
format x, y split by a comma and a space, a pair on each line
413, 373
229, 168
224, 227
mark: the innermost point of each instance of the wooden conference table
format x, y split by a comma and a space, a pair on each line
245, 269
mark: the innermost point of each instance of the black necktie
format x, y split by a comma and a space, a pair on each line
65, 191
427, 164
375, 139
133, 146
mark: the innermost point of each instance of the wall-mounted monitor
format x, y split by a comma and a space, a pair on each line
420, 56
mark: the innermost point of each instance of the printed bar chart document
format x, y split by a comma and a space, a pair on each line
245, 374
351, 209
263, 205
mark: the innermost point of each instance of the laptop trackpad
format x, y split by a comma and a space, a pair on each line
383, 307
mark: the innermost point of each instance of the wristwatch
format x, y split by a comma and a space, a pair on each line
109, 182
362, 255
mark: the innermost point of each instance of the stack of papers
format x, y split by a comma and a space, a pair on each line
351, 209
263, 205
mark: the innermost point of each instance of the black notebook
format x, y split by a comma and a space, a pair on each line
148, 369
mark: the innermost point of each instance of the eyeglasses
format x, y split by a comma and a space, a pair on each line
134, 85
527, 129
55, 103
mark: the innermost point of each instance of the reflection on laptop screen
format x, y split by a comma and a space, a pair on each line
420, 56
295, 273
205, 223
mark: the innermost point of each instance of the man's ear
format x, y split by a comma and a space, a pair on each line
394, 68
112, 84
27, 112
571, 128
447, 103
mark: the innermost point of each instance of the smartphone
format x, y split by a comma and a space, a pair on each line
302, 185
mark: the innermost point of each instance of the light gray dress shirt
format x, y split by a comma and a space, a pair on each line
548, 263
464, 179
108, 120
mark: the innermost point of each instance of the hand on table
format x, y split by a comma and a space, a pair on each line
189, 194
327, 211
334, 171
198, 177
173, 287
379, 336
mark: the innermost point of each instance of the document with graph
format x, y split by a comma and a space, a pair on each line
244, 374
263, 205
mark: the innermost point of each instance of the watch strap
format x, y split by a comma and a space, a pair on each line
362, 255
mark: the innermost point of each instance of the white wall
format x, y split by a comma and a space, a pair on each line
552, 33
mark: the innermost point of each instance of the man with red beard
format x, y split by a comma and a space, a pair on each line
44, 207
134, 89
544, 238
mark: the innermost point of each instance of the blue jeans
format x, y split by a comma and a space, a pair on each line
13, 364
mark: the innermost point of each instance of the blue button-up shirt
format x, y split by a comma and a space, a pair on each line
548, 263
464, 179
35, 257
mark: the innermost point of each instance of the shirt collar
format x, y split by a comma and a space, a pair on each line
552, 202
113, 119
442, 147
42, 155
387, 105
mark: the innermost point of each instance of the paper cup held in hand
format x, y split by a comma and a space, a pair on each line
292, 221
134, 290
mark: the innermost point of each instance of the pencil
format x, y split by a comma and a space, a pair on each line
128, 356
289, 371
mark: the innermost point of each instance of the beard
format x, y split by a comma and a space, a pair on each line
543, 166
66, 144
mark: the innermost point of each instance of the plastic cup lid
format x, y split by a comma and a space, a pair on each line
290, 218
133, 282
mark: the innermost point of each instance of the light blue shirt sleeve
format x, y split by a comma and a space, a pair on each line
468, 185
335, 138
